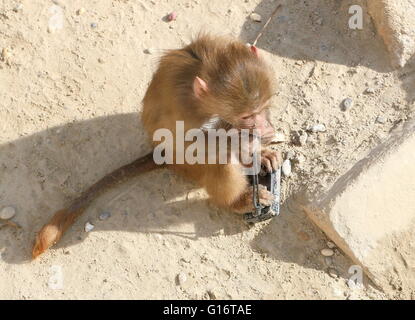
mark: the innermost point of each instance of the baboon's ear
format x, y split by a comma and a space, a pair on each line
200, 87
255, 51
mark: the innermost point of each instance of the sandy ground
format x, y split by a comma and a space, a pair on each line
70, 95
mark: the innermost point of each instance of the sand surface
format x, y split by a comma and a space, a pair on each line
70, 94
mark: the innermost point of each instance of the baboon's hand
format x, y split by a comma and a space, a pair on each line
271, 159
245, 203
265, 197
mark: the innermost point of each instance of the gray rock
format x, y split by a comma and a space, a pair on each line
255, 17
7, 213
88, 227
104, 215
347, 104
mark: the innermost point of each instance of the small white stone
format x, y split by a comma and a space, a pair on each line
80, 11
255, 17
327, 252
89, 226
181, 278
286, 168
370, 90
381, 119
7, 213
318, 128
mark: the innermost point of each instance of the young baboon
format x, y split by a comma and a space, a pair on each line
213, 82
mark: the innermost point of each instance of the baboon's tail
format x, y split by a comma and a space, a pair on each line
64, 218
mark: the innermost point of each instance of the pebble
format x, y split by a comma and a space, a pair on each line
7, 213
80, 11
317, 128
148, 51
255, 17
100, 60
302, 139
370, 90
327, 252
328, 260
18, 7
333, 273
94, 25
104, 215
89, 226
299, 137
172, 16
331, 245
286, 168
5, 54
181, 278
290, 155
347, 104
381, 119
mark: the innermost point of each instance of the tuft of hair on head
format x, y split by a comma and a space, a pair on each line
232, 77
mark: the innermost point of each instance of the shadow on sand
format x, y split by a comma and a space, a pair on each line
43, 172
